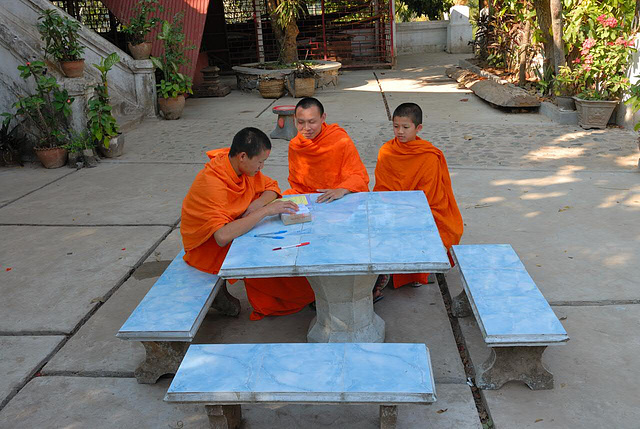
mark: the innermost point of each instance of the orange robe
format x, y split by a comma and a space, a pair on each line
329, 161
219, 196
418, 165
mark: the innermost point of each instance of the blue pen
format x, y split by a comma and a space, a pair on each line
271, 235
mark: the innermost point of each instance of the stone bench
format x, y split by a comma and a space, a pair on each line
516, 321
225, 376
168, 317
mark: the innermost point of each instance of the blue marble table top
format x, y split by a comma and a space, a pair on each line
362, 233
175, 305
304, 373
509, 307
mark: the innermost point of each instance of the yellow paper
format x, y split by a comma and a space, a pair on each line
298, 199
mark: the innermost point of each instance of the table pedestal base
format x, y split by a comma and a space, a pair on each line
344, 306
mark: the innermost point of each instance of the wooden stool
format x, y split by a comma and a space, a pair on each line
285, 126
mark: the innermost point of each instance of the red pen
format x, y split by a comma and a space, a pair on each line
293, 245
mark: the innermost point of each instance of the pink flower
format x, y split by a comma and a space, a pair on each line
588, 43
602, 18
588, 59
611, 22
584, 52
576, 61
586, 68
28, 63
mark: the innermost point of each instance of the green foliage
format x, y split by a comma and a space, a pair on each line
173, 83
8, 142
48, 108
140, 24
431, 8
634, 100
289, 10
602, 50
100, 121
60, 35
79, 142
545, 80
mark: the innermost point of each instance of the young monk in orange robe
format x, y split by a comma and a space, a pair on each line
228, 197
409, 163
323, 158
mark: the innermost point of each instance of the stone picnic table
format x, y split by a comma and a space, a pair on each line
351, 242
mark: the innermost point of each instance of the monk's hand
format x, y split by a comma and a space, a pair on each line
329, 195
254, 206
279, 207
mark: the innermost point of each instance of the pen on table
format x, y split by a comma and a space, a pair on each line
293, 245
270, 234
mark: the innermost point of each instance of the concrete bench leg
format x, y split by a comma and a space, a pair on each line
460, 306
226, 303
162, 357
388, 416
224, 416
515, 363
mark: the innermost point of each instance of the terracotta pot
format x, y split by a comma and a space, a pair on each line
116, 147
594, 113
51, 157
171, 108
141, 51
72, 68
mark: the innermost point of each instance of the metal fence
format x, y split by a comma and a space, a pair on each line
95, 15
355, 32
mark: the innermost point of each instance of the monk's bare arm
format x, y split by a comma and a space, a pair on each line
264, 199
236, 228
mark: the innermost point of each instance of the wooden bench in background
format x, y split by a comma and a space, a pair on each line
168, 317
516, 321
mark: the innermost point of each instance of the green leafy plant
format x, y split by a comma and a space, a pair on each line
60, 35
9, 143
100, 121
79, 142
47, 109
173, 83
634, 100
140, 23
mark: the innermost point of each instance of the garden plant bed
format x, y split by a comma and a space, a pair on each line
249, 75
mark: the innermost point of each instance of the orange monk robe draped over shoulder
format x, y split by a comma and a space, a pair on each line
418, 165
329, 161
219, 196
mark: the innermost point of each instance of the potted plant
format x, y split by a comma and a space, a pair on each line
173, 84
9, 153
304, 81
80, 149
102, 125
46, 111
599, 72
60, 35
140, 25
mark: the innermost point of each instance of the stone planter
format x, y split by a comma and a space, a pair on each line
249, 76
594, 113
116, 147
141, 51
89, 157
565, 102
171, 108
72, 68
51, 157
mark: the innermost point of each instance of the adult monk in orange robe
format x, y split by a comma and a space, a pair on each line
409, 163
228, 197
323, 158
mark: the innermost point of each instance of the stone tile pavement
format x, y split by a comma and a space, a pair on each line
81, 248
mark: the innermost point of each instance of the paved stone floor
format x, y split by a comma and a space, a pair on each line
81, 248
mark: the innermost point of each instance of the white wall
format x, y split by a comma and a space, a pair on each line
424, 36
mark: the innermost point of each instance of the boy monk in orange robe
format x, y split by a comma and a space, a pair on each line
409, 163
228, 197
323, 158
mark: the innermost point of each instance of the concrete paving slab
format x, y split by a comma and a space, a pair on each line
119, 194
82, 402
593, 383
122, 403
573, 230
18, 181
21, 357
52, 277
94, 350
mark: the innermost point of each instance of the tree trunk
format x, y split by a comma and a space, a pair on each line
558, 44
289, 50
543, 13
524, 54
636, 16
